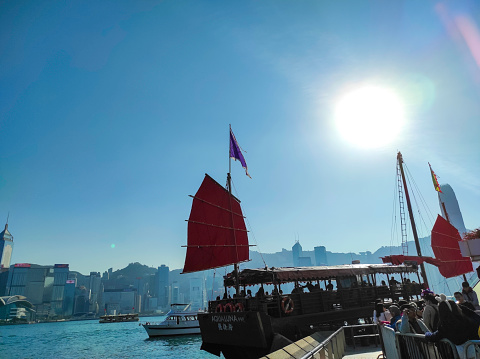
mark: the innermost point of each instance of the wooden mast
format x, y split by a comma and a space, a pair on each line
412, 220
229, 187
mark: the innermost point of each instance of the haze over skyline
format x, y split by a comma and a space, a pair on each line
111, 113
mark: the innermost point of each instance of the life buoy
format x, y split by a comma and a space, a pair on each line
239, 307
219, 308
287, 305
229, 308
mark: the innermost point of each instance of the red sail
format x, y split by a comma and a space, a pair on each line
398, 259
217, 235
445, 238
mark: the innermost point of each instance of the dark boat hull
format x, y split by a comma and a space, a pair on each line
255, 334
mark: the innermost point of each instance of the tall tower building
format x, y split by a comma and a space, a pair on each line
162, 286
297, 253
96, 290
453, 210
6, 248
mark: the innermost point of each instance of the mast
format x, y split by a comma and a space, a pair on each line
229, 188
412, 220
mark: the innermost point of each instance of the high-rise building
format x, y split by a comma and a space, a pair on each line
69, 296
6, 247
198, 294
320, 256
297, 253
43, 286
60, 277
163, 286
95, 287
453, 209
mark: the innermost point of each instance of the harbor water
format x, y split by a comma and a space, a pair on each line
90, 339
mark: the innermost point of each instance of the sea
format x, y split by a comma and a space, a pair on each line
91, 339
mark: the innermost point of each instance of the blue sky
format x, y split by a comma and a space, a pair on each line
111, 112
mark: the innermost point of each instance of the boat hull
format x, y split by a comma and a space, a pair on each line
255, 334
166, 331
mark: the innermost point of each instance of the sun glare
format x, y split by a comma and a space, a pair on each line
369, 116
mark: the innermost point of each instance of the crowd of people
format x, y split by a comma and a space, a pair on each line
435, 316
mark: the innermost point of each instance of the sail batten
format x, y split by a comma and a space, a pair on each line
213, 225
213, 204
217, 235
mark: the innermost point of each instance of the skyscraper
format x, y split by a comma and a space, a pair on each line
162, 286
95, 288
60, 277
297, 253
6, 248
453, 209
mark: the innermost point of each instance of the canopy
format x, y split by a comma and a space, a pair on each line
291, 274
445, 238
217, 235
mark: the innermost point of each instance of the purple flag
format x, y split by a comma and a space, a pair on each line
236, 152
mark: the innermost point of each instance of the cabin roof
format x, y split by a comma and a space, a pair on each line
291, 274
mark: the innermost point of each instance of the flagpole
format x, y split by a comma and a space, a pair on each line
229, 157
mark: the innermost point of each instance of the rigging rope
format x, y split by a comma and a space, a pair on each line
394, 228
249, 227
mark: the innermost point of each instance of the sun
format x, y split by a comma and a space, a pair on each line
370, 116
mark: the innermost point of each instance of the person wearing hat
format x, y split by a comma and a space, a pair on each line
409, 322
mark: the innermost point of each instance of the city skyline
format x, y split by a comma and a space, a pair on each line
112, 113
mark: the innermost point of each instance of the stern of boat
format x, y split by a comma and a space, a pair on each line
237, 334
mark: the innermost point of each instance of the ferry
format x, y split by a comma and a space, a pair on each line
180, 321
119, 318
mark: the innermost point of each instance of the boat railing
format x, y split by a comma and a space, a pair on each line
332, 347
394, 345
316, 301
472, 349
415, 346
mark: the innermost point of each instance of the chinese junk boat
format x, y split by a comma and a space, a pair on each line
245, 327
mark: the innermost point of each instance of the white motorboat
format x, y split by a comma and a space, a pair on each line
180, 321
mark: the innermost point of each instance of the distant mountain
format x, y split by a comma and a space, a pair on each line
134, 270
